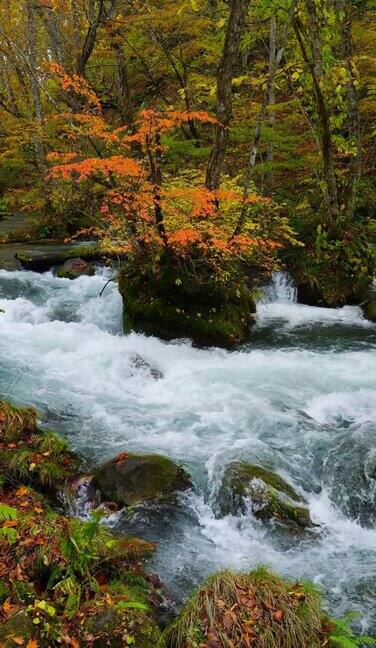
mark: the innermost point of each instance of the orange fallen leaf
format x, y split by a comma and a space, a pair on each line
32, 644
7, 606
22, 491
74, 643
37, 509
10, 523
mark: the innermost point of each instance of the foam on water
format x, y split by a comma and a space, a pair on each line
285, 405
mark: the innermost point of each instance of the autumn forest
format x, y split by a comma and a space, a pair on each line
187, 323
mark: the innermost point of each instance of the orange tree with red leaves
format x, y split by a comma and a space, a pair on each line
183, 270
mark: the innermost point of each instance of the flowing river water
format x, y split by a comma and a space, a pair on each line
300, 398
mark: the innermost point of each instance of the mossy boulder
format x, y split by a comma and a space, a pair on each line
369, 309
130, 479
171, 306
19, 626
124, 622
74, 268
248, 487
43, 257
255, 609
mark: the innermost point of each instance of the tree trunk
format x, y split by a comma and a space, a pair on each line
34, 85
348, 195
271, 102
261, 117
315, 65
225, 76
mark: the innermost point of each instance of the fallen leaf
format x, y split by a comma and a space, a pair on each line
10, 523
32, 644
37, 509
74, 643
19, 641
22, 491
278, 615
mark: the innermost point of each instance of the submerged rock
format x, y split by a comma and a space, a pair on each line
349, 475
130, 479
265, 492
74, 268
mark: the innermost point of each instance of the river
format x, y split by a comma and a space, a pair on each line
299, 398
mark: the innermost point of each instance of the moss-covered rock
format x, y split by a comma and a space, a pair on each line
130, 479
74, 268
172, 306
124, 622
44, 257
369, 309
268, 495
19, 626
255, 609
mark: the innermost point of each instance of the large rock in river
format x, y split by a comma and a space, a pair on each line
246, 486
130, 479
369, 309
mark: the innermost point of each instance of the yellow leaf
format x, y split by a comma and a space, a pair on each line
37, 509
19, 641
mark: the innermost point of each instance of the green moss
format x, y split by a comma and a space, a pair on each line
131, 479
267, 493
19, 625
117, 626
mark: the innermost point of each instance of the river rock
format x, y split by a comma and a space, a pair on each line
268, 496
130, 479
369, 309
74, 268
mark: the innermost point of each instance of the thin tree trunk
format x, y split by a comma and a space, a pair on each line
226, 72
326, 137
271, 103
353, 121
261, 118
34, 85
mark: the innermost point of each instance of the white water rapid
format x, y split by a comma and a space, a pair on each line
300, 398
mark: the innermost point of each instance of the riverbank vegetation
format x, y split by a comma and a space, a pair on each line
210, 143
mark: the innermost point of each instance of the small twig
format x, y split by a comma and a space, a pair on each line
105, 286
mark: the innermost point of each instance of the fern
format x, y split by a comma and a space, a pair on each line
7, 513
343, 635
